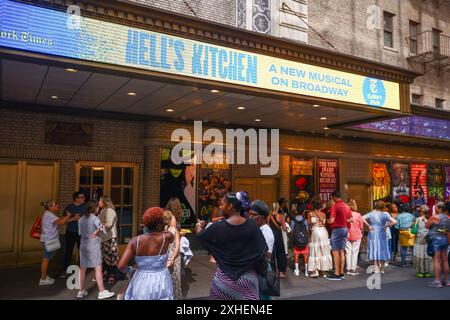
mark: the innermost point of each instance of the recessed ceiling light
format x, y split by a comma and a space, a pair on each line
326, 128
170, 110
214, 91
258, 120
131, 93
241, 108
323, 118
71, 70
54, 97
315, 106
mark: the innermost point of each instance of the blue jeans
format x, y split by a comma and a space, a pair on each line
404, 251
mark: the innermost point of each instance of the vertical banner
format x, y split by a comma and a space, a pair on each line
302, 179
328, 177
401, 182
419, 179
214, 183
435, 183
447, 183
179, 181
381, 181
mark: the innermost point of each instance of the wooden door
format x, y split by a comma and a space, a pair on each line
361, 194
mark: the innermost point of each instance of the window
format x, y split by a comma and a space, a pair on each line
413, 31
439, 103
388, 29
436, 41
416, 98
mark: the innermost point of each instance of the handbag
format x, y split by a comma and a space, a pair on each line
415, 228
270, 284
430, 249
36, 229
52, 245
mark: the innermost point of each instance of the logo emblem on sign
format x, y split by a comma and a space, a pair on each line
374, 92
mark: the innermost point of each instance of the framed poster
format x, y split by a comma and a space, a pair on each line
419, 180
302, 179
328, 180
401, 182
381, 181
435, 182
179, 181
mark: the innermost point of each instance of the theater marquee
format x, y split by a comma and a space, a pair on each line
52, 32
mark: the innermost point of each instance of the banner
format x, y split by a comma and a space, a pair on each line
435, 182
328, 177
419, 180
215, 182
381, 181
46, 31
179, 181
447, 183
302, 179
401, 182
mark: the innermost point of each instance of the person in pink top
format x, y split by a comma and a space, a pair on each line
355, 233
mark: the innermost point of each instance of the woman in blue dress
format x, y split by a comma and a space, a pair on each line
378, 220
151, 280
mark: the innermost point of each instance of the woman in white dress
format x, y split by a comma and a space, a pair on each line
319, 245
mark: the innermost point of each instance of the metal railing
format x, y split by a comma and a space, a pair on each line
429, 43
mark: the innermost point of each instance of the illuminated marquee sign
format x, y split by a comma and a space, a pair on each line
41, 30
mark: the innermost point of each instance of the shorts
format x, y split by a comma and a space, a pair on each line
47, 255
338, 239
439, 243
298, 250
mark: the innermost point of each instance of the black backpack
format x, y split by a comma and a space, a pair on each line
300, 234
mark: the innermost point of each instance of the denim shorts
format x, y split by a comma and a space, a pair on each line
338, 238
47, 255
439, 243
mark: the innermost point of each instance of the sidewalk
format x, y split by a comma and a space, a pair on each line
22, 283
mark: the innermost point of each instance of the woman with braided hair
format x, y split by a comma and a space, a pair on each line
238, 246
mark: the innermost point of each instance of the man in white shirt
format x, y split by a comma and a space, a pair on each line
259, 212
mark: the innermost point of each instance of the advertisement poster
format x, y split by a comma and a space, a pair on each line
381, 181
328, 171
179, 181
435, 182
302, 179
401, 182
419, 180
214, 183
447, 182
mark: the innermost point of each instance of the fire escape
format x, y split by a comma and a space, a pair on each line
432, 49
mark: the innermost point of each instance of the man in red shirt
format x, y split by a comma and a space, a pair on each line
340, 218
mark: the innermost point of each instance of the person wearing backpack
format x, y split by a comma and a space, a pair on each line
300, 241
319, 243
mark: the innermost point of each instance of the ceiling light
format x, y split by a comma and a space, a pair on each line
131, 93
71, 70
214, 91
326, 128
258, 120
54, 97
241, 108
315, 106
170, 110
323, 118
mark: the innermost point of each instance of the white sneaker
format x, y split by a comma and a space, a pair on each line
82, 294
306, 274
105, 295
93, 279
297, 272
47, 282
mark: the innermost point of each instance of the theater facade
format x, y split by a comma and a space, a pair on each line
89, 102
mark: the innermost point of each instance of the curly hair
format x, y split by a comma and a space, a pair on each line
153, 219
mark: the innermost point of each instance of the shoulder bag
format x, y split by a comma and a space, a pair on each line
270, 284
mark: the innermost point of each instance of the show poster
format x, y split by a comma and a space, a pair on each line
302, 179
214, 183
419, 179
436, 182
328, 177
179, 181
401, 182
447, 182
381, 181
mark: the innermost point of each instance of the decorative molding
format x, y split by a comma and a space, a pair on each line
150, 18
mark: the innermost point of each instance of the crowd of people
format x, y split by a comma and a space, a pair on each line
248, 241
